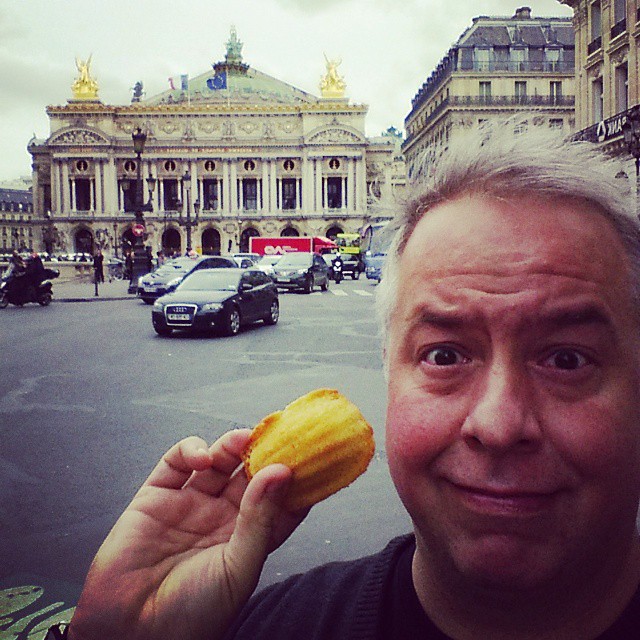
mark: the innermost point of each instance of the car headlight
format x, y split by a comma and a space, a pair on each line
301, 271
158, 305
212, 306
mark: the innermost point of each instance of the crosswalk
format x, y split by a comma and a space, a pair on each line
342, 292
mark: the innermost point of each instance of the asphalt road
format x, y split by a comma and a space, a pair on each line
90, 398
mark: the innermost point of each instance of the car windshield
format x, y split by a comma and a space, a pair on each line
223, 280
295, 260
269, 259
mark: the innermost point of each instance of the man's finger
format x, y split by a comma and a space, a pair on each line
193, 454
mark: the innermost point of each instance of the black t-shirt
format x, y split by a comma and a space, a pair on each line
405, 618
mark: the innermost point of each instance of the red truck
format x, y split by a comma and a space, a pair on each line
289, 244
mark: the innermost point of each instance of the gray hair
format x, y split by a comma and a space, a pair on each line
504, 158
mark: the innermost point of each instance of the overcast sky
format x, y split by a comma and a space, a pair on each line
388, 48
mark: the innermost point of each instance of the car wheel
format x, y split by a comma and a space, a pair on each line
274, 313
4, 301
161, 328
232, 322
308, 284
147, 300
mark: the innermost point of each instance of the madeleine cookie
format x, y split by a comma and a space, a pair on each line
322, 437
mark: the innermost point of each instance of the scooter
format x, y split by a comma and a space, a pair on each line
19, 290
337, 271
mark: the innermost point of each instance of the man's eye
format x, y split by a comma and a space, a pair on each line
443, 357
566, 359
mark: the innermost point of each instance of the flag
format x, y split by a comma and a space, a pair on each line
181, 82
219, 81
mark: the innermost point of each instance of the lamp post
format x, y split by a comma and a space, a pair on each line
631, 131
187, 223
139, 267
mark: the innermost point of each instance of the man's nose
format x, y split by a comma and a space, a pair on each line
502, 412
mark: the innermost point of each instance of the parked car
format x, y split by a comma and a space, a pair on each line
223, 299
254, 257
155, 284
267, 264
301, 270
351, 265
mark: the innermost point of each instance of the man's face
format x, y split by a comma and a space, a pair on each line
513, 414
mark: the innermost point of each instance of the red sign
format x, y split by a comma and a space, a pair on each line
137, 229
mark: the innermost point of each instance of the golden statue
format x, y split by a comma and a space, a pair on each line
332, 85
85, 87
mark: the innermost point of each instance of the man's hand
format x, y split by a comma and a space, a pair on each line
187, 553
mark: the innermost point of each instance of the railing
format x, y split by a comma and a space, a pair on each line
496, 101
618, 28
594, 45
511, 66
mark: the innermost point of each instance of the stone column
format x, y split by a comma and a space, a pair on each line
361, 187
226, 187
98, 182
233, 186
65, 189
351, 181
266, 202
318, 208
273, 186
56, 200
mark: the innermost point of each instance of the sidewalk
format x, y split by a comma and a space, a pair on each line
84, 290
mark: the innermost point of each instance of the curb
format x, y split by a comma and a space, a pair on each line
95, 299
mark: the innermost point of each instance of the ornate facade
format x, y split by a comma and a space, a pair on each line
229, 154
498, 66
607, 69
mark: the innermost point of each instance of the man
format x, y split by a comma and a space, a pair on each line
511, 347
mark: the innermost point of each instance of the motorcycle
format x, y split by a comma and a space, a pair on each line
19, 290
337, 271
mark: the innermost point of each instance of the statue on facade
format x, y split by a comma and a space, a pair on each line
138, 91
85, 87
234, 47
332, 85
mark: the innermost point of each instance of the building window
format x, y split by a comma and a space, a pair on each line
130, 166
288, 165
209, 166
485, 91
334, 163
556, 123
83, 194
622, 88
518, 59
249, 165
210, 194
82, 165
552, 59
482, 59
555, 91
521, 91
597, 100
619, 11
595, 21
288, 193
334, 193
170, 165
170, 193
250, 193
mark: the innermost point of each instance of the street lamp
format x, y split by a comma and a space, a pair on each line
139, 267
631, 131
186, 186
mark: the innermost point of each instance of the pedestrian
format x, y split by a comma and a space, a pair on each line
509, 309
128, 265
98, 266
16, 264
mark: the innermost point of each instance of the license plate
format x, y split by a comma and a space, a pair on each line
178, 316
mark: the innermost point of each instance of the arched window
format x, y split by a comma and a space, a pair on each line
211, 242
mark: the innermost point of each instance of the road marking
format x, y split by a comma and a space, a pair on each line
338, 292
361, 292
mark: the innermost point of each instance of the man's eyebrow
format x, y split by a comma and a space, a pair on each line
442, 319
589, 314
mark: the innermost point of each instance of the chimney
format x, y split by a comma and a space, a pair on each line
523, 13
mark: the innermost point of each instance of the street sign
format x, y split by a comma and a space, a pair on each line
137, 229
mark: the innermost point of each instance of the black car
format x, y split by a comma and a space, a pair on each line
301, 270
223, 299
157, 283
